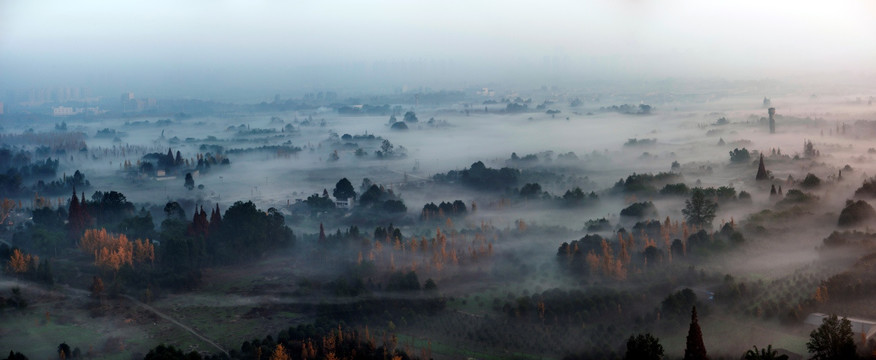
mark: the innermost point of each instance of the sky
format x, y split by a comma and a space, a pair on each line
207, 49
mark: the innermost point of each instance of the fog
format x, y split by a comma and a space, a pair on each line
235, 51
455, 179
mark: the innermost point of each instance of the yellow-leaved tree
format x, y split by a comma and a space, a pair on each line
280, 353
20, 262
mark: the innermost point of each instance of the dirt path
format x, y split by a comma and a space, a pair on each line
177, 323
81, 292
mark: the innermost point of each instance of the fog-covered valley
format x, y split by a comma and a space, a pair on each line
568, 222
437, 180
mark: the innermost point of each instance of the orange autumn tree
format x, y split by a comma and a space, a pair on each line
6, 207
280, 353
112, 251
144, 251
20, 262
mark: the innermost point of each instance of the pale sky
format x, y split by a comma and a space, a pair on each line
193, 48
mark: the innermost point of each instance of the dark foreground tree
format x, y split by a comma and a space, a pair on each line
833, 340
64, 351
699, 210
695, 349
763, 354
16, 356
162, 352
644, 347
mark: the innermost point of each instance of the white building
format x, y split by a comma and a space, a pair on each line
345, 203
63, 111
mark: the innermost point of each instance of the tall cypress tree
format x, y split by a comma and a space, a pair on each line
695, 349
215, 221
761, 170
77, 218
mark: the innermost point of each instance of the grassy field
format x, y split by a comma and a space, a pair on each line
29, 332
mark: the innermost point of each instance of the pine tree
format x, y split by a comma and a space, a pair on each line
695, 349
75, 218
215, 221
761, 170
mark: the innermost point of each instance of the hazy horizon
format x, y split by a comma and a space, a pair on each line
241, 51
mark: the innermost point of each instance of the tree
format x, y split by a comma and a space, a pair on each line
530, 191
698, 210
319, 203
695, 349
740, 155
370, 196
96, 287
190, 182
280, 353
110, 251
430, 285
855, 213
394, 206
20, 262
832, 340
761, 171
386, 148
867, 189
16, 356
173, 211
162, 352
6, 207
640, 210
810, 181
344, 190
411, 117
645, 347
763, 354
77, 217
64, 351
